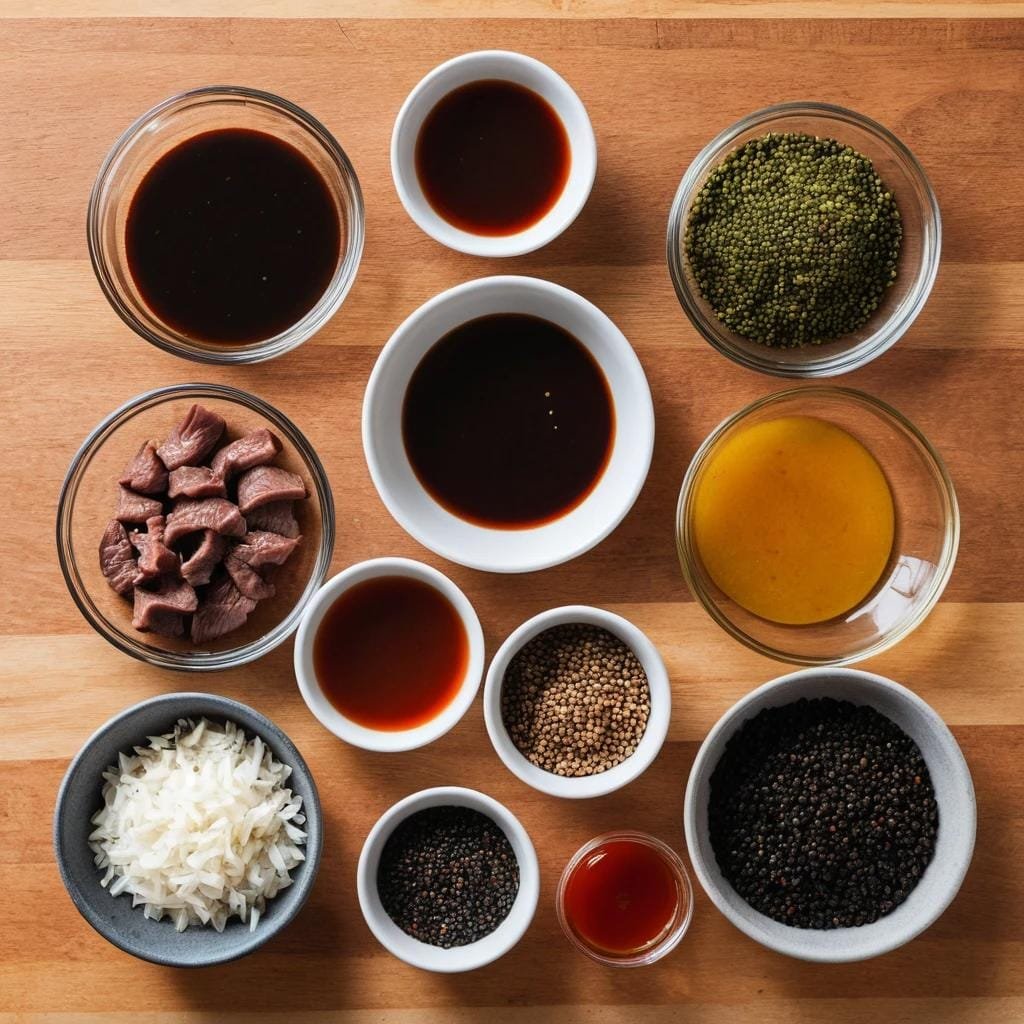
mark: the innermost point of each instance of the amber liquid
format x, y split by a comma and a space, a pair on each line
622, 898
232, 236
508, 421
492, 157
390, 653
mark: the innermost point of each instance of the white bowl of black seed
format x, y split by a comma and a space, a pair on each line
448, 880
830, 815
577, 702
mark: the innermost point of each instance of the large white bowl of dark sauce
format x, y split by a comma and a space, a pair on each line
511, 546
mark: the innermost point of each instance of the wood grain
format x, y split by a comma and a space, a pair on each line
553, 9
656, 91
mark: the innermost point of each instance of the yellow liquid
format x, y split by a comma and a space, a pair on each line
793, 519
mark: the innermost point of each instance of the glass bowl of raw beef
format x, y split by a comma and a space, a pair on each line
193, 527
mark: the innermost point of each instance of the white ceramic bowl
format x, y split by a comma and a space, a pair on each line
328, 715
479, 547
954, 793
509, 67
657, 722
460, 958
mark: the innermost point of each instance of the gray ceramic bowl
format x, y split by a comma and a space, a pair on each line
954, 793
114, 917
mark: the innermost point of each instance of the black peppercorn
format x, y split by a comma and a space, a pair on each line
822, 814
447, 876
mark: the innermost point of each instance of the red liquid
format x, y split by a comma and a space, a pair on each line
390, 653
492, 157
622, 897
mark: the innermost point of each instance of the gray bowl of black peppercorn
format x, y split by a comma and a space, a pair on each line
830, 815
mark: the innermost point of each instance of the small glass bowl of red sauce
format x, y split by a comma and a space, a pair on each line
625, 899
226, 225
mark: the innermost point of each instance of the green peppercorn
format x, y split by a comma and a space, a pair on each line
793, 240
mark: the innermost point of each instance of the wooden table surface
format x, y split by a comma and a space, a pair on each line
657, 89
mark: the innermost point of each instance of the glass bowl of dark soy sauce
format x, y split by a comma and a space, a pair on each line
226, 225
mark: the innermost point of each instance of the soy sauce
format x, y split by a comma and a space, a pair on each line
390, 653
232, 236
508, 421
492, 157
622, 898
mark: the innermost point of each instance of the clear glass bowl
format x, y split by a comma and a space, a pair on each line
919, 252
924, 549
166, 126
674, 932
88, 497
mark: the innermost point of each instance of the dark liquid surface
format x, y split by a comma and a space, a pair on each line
492, 157
390, 653
232, 236
508, 421
622, 897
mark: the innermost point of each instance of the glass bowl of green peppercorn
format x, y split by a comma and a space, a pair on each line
804, 240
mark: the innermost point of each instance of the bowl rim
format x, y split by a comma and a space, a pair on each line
582, 147
379, 739
668, 942
644, 422
459, 958
326, 306
191, 661
687, 554
887, 332
733, 718
230, 709
658, 719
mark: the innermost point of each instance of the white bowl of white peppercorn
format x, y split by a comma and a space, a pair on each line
622, 739
954, 800
424, 954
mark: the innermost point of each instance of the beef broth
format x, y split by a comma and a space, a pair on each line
508, 421
492, 157
232, 236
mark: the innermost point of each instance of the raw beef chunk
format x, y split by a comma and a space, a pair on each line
145, 473
117, 560
135, 508
262, 485
195, 482
199, 566
247, 579
192, 514
277, 517
224, 608
192, 439
166, 623
255, 449
155, 558
261, 548
172, 595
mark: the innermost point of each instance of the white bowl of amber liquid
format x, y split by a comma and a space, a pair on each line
902, 572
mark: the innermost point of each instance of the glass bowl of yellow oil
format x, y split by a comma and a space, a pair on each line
817, 526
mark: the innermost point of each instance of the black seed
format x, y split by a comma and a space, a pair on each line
866, 841
447, 876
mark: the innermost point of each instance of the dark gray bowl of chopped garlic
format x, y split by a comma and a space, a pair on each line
804, 240
188, 830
